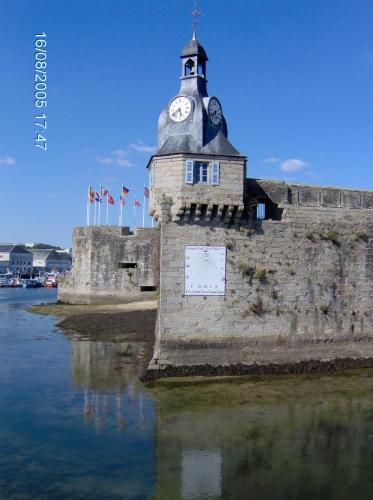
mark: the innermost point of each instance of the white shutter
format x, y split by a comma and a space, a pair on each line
189, 171
151, 176
215, 174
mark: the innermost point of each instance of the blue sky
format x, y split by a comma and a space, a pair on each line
295, 80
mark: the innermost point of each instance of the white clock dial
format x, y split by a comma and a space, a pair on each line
180, 109
214, 111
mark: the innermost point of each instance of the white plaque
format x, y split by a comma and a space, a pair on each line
205, 270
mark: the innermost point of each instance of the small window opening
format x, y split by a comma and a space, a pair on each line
189, 67
261, 211
128, 265
200, 69
146, 288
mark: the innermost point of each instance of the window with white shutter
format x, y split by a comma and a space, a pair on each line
189, 167
215, 173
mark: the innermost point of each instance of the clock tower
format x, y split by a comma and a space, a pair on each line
195, 166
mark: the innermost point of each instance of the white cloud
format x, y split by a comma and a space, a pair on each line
293, 165
140, 147
117, 157
7, 160
272, 159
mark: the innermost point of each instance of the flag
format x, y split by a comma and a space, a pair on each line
97, 197
122, 200
146, 192
91, 195
137, 203
125, 191
110, 199
104, 192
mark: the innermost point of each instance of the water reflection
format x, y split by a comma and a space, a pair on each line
109, 376
282, 437
75, 422
308, 437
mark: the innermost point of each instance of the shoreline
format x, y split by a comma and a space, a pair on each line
114, 323
135, 322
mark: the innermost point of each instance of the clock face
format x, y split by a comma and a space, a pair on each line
214, 111
180, 109
205, 270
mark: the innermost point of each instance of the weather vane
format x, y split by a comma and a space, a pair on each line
195, 13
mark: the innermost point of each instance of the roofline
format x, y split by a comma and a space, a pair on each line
290, 183
195, 155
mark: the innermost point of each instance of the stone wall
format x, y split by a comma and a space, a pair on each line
297, 289
169, 178
111, 265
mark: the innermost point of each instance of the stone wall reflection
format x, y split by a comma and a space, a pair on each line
276, 443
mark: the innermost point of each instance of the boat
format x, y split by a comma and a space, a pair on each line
31, 283
49, 283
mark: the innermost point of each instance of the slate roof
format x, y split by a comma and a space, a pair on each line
44, 253
13, 248
187, 144
194, 48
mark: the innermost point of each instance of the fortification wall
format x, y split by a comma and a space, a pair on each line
111, 265
297, 289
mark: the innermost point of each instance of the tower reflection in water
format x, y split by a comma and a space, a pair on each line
109, 376
286, 437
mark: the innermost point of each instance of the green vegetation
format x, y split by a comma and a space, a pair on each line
361, 236
257, 307
331, 236
324, 309
246, 269
261, 275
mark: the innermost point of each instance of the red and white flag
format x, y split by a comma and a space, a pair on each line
137, 203
110, 199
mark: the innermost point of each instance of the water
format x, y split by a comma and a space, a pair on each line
75, 422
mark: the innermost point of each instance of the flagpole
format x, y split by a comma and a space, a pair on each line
94, 212
88, 205
120, 211
99, 207
143, 209
134, 212
107, 209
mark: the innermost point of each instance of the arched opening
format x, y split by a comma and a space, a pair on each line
189, 68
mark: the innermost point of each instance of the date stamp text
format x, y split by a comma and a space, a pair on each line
40, 91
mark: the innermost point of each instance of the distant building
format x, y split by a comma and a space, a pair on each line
15, 259
50, 260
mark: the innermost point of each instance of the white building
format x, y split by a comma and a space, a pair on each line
48, 259
15, 259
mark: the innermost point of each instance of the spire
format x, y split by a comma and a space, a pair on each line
195, 13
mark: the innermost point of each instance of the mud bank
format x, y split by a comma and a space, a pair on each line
107, 323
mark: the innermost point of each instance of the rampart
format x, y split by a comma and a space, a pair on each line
299, 286
110, 264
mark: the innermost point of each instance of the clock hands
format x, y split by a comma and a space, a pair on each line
176, 112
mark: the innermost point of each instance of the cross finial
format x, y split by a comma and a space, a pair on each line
195, 13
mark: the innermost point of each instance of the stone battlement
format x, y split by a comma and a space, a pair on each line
305, 195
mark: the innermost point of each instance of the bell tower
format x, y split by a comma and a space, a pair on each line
195, 166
